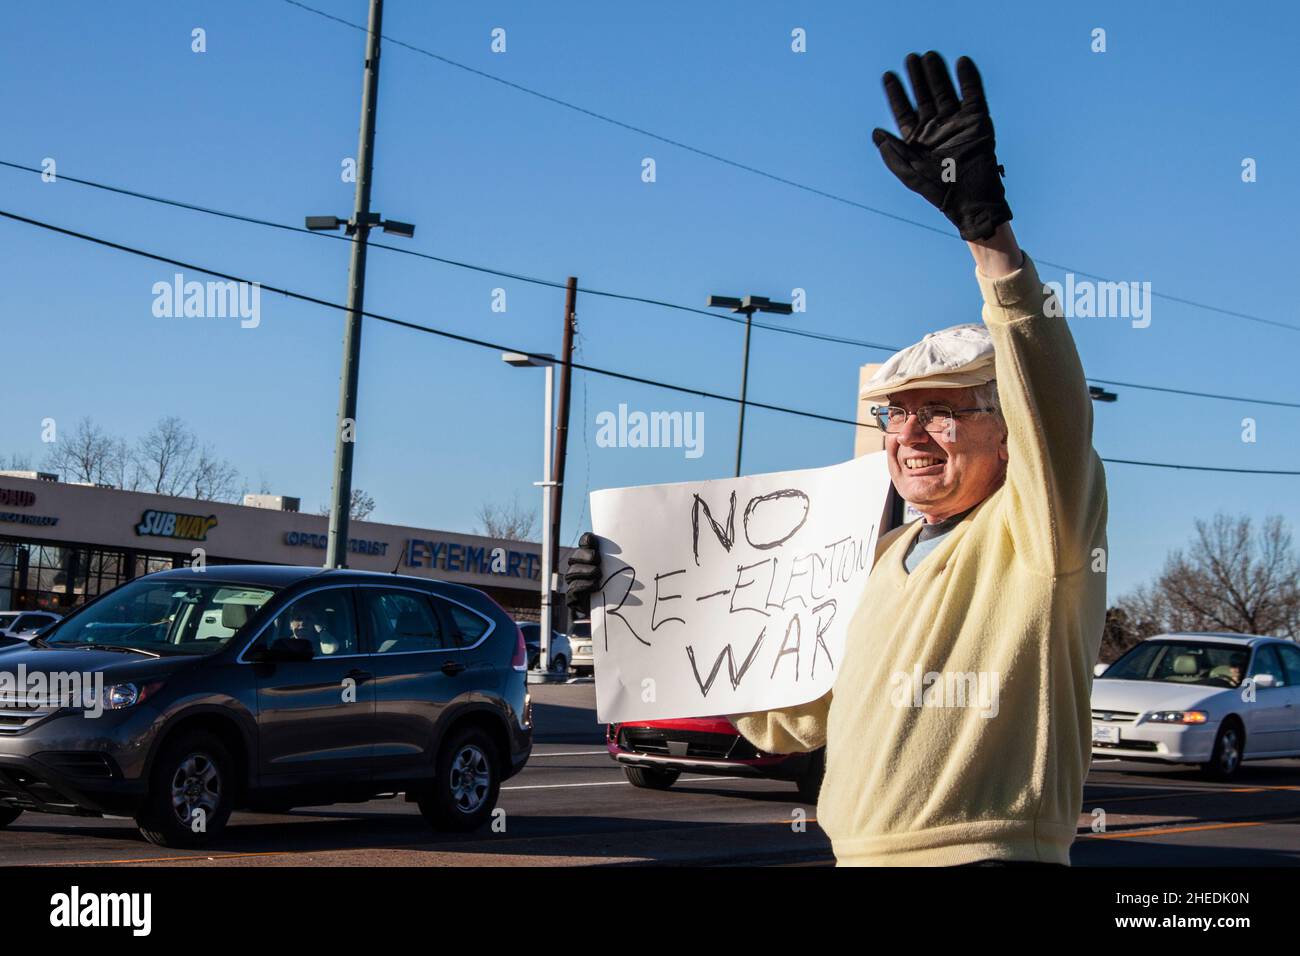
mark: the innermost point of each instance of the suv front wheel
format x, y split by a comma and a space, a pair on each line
190, 789
466, 785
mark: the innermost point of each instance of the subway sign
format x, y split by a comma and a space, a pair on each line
175, 524
470, 559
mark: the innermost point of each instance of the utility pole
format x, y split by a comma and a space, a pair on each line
359, 226
746, 306
562, 416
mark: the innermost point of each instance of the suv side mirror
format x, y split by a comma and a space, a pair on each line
286, 649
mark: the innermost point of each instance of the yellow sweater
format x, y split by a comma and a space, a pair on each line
1012, 601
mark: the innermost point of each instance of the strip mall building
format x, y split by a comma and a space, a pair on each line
63, 544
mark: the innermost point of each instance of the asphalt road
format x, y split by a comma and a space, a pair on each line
572, 805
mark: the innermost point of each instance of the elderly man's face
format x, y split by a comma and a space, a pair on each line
946, 473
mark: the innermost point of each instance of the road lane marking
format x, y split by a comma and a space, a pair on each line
572, 753
602, 783
1186, 791
1160, 831
173, 859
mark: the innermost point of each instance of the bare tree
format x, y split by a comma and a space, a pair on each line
83, 454
1122, 632
359, 507
16, 462
169, 460
1231, 578
166, 457
214, 479
511, 522
121, 468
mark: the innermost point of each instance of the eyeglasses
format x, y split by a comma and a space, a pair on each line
933, 418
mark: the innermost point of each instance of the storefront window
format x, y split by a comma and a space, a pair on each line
34, 575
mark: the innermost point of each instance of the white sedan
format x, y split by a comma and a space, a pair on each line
1209, 699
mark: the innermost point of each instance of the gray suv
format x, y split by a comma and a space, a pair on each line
181, 696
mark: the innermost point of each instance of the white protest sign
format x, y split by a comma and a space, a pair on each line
733, 595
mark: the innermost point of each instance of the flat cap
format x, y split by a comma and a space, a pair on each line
956, 357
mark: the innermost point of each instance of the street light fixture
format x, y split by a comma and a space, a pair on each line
404, 229
370, 220
1099, 394
747, 306
521, 360
323, 223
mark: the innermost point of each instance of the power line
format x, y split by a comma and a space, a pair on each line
535, 280
712, 314
1183, 391
834, 197
499, 347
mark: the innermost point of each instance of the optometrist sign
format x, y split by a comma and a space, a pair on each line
732, 595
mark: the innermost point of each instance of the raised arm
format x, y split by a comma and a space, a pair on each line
947, 155
1054, 478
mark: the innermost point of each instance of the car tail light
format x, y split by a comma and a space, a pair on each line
520, 661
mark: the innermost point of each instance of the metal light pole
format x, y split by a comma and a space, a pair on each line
748, 305
359, 226
520, 360
560, 451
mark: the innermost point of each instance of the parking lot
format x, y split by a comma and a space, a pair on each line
573, 806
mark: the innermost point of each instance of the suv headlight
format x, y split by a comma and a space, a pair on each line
1178, 716
121, 696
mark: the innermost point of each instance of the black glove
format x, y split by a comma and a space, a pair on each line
582, 576
941, 128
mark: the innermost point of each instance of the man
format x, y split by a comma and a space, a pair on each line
988, 434
304, 625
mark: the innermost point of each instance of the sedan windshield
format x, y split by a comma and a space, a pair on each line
163, 617
1173, 662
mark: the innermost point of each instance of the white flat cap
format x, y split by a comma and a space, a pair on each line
957, 357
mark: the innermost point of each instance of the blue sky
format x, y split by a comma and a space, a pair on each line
1125, 163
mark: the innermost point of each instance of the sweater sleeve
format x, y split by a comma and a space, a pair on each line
1053, 473
798, 729
788, 730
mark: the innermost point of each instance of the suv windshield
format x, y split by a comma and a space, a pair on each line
1174, 662
165, 617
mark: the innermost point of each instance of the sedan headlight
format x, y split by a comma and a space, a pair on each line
1178, 716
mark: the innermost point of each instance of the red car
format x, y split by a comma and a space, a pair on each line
654, 753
